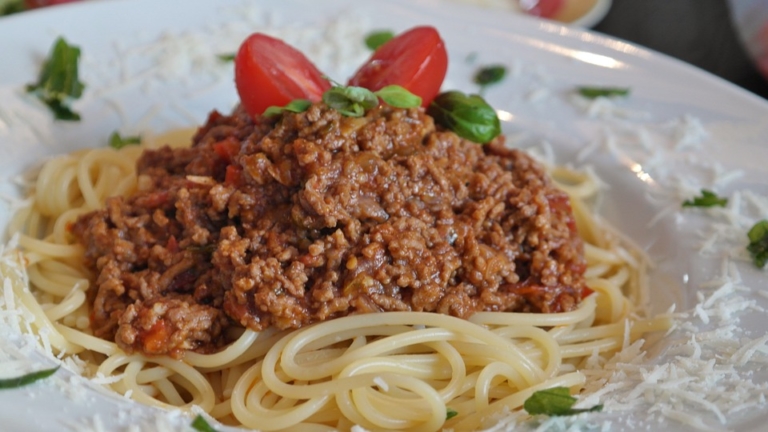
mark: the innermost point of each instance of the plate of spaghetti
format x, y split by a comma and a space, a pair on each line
367, 216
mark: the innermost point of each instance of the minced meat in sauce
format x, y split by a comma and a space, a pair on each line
310, 216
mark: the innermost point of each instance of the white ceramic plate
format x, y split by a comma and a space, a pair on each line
151, 65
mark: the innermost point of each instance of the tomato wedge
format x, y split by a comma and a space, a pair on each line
416, 60
270, 72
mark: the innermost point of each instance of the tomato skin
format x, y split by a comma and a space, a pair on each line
270, 72
416, 60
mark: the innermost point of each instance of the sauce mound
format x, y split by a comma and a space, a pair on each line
306, 217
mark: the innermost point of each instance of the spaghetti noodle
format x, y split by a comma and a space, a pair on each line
387, 371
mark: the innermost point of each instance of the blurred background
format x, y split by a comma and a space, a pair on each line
715, 35
728, 38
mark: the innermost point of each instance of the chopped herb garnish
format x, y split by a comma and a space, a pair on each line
469, 116
228, 57
12, 7
556, 401
200, 425
450, 413
758, 243
353, 101
295, 106
398, 97
596, 92
117, 142
21, 381
378, 38
58, 83
490, 75
707, 199
350, 101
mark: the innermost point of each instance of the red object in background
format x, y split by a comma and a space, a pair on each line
542, 8
269, 72
416, 60
34, 4
760, 49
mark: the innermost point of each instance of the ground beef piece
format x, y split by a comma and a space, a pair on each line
168, 326
305, 217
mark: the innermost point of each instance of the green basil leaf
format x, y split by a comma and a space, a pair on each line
200, 425
361, 95
596, 92
353, 110
58, 82
707, 199
117, 142
758, 243
378, 38
469, 116
21, 381
227, 57
490, 75
556, 401
273, 111
450, 413
350, 101
295, 106
398, 97
298, 105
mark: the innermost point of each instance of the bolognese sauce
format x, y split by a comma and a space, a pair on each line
303, 217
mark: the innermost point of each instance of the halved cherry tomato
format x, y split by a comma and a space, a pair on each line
270, 72
416, 60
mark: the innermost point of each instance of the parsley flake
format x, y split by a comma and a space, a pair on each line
758, 243
200, 425
227, 57
488, 75
117, 142
596, 92
58, 83
21, 381
556, 401
378, 38
450, 413
707, 199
